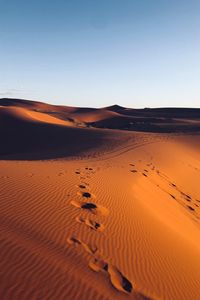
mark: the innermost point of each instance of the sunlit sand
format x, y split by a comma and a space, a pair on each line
99, 203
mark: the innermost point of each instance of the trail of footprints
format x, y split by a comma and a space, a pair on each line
191, 204
97, 263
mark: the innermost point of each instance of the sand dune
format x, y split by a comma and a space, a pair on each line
93, 116
90, 213
17, 114
118, 117
27, 134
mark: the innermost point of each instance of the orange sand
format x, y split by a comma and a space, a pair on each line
115, 220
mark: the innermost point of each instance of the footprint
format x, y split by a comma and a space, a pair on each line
187, 197
88, 248
190, 207
86, 195
61, 173
91, 207
81, 186
90, 223
118, 280
98, 265
77, 172
173, 184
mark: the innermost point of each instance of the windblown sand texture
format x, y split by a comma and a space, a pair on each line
99, 213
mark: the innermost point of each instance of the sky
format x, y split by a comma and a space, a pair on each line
135, 53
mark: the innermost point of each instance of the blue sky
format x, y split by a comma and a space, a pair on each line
137, 53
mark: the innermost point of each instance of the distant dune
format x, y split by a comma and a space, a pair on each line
99, 203
33, 130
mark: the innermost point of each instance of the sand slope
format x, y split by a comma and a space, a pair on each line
27, 134
117, 117
118, 219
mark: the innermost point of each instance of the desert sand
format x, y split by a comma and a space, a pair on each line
99, 203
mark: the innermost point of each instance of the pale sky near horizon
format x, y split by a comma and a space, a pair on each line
136, 53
